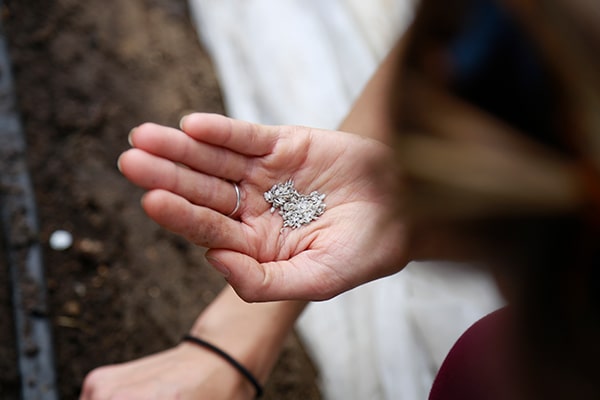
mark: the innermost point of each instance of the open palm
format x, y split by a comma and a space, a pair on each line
189, 172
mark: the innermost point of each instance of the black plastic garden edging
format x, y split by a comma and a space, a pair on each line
23, 249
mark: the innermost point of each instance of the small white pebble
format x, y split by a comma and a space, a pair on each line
61, 240
80, 289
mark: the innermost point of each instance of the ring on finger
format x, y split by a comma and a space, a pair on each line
238, 200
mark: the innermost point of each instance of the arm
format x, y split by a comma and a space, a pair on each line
188, 371
251, 333
264, 325
369, 115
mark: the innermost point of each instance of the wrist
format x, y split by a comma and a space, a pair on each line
240, 368
252, 334
207, 372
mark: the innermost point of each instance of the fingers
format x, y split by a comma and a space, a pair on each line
200, 225
178, 147
152, 172
279, 280
240, 136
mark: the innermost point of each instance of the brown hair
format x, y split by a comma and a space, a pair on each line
500, 140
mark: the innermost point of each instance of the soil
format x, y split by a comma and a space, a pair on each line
86, 72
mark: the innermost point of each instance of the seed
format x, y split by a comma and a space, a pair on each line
295, 208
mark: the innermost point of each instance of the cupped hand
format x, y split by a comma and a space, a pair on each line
188, 174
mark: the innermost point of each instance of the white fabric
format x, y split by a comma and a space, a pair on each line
304, 62
296, 61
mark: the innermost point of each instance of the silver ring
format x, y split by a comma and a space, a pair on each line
238, 199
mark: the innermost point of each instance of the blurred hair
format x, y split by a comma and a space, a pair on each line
498, 108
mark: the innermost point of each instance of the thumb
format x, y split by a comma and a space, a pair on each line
257, 282
251, 280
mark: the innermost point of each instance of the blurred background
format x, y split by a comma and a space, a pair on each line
86, 72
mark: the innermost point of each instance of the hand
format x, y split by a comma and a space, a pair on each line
184, 372
189, 174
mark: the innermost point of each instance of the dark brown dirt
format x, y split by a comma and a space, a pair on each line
86, 72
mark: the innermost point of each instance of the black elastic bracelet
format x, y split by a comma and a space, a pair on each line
229, 359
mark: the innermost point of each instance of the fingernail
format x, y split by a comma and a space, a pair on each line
181, 122
218, 265
119, 164
129, 138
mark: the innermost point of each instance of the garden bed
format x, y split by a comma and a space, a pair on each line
85, 74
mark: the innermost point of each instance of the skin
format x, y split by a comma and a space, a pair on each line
187, 371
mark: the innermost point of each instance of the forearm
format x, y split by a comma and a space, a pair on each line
369, 115
252, 333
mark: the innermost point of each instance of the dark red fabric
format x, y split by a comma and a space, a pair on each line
478, 367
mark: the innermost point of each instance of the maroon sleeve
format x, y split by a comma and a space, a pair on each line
478, 365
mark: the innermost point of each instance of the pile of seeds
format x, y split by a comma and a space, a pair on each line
295, 208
